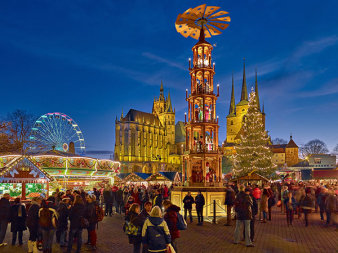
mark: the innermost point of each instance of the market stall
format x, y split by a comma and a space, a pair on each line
252, 178
167, 178
21, 177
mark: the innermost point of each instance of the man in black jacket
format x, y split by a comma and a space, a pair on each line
188, 201
200, 202
229, 202
243, 208
254, 213
4, 217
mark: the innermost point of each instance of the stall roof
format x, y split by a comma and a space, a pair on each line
32, 170
170, 175
253, 176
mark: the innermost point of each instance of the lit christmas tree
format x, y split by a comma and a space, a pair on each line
253, 153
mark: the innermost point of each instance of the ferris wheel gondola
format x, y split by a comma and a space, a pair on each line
56, 131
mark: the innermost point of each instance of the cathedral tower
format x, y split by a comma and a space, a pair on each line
162, 108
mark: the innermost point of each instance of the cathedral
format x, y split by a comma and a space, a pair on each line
237, 113
150, 142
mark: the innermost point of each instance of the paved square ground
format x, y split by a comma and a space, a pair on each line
274, 236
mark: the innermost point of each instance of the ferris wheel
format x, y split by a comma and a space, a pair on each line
56, 131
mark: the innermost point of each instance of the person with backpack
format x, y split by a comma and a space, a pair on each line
33, 224
171, 217
18, 221
188, 201
200, 202
77, 223
243, 208
63, 212
5, 208
90, 215
155, 232
132, 227
48, 218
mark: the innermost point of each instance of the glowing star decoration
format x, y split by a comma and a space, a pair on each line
208, 18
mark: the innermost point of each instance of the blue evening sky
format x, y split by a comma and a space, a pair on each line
91, 59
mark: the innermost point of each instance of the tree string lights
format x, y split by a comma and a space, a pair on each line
253, 153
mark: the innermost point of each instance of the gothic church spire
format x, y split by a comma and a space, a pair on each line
256, 91
244, 94
232, 108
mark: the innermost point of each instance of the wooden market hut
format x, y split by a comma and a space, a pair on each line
253, 178
134, 177
167, 177
22, 169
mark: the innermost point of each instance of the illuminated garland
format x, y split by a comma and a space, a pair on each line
253, 153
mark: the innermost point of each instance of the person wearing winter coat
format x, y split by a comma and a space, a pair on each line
330, 206
62, 227
119, 200
108, 200
243, 208
155, 232
48, 218
254, 211
290, 205
271, 201
76, 214
5, 208
97, 194
128, 205
307, 204
158, 199
200, 202
265, 204
229, 202
32, 223
171, 218
18, 220
187, 205
134, 218
90, 215
321, 197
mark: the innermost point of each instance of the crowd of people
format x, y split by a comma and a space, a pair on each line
152, 221
63, 215
249, 201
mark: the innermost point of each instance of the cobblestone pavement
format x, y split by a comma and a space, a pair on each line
274, 236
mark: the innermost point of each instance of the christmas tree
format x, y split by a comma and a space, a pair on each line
253, 153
